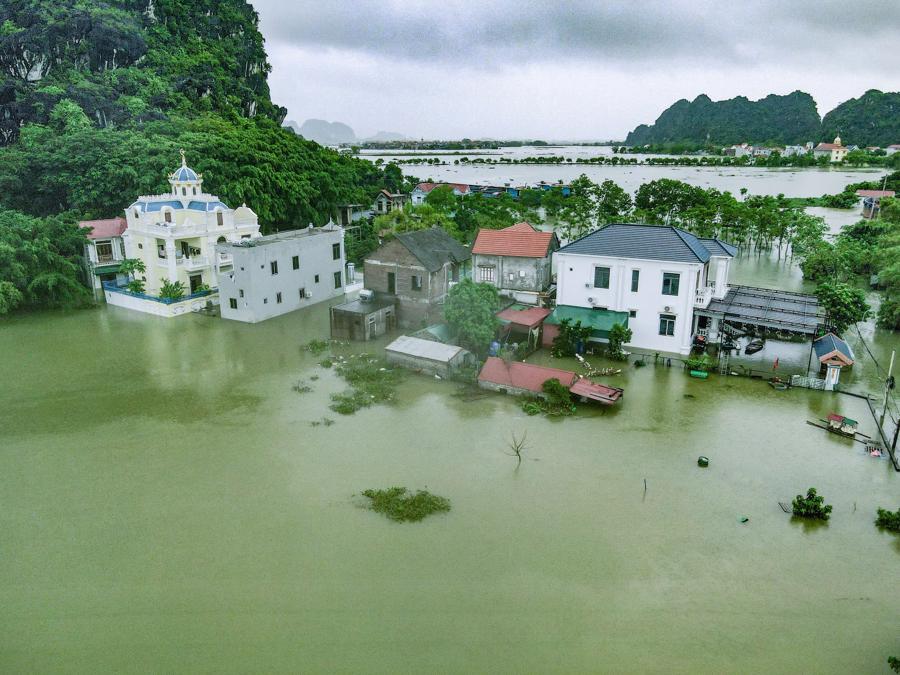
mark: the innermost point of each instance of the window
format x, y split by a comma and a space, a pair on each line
512, 276
295, 261
667, 324
302, 293
317, 278
335, 251
486, 273
241, 292
632, 313
168, 216
416, 282
337, 280
521, 274
601, 277
670, 283
274, 266
635, 280
232, 302
278, 298
195, 190
265, 301
184, 192
140, 246
220, 218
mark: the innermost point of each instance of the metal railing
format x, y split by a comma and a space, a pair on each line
111, 286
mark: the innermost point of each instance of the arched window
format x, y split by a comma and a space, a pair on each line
168, 216
220, 240
184, 192
137, 214
195, 191
220, 218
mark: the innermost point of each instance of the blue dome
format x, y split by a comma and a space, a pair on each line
183, 173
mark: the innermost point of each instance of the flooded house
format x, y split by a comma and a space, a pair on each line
104, 251
427, 356
417, 269
517, 260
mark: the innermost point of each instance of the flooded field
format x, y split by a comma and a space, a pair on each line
166, 505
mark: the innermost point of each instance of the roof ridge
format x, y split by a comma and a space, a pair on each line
682, 235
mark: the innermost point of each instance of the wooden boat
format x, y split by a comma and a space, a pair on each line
754, 346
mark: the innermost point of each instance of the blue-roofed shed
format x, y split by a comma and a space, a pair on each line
833, 351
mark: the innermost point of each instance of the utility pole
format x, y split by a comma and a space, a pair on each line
888, 385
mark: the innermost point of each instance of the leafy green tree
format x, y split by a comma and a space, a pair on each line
811, 506
570, 337
470, 310
441, 198
889, 520
845, 305
619, 335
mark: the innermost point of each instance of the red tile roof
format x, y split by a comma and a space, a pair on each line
530, 317
518, 375
428, 187
104, 229
521, 241
875, 193
829, 146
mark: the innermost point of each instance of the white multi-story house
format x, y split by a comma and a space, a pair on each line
175, 235
659, 275
104, 251
283, 272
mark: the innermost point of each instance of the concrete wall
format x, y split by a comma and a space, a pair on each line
354, 326
254, 289
159, 308
424, 365
520, 278
575, 284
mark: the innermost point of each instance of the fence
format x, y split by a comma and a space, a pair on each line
807, 382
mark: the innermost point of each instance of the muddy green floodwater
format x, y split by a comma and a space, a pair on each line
166, 506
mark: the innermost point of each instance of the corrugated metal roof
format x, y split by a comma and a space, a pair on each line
425, 349
434, 247
646, 242
601, 320
596, 392
524, 317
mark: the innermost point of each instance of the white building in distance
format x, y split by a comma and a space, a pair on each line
280, 273
175, 235
659, 275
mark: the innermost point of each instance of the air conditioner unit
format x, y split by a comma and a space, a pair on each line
667, 309
308, 294
366, 295
591, 300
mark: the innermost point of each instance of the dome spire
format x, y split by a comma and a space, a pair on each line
183, 158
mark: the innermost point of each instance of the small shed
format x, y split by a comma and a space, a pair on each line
363, 319
526, 321
427, 355
600, 393
833, 354
872, 201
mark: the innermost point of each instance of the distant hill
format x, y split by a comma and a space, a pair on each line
386, 137
782, 119
324, 132
871, 119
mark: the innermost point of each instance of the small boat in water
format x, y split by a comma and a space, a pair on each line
754, 346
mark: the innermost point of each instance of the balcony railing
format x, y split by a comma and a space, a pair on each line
703, 296
196, 262
111, 286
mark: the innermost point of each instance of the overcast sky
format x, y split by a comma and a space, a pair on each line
564, 69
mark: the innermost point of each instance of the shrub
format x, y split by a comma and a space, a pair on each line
570, 336
888, 520
398, 504
316, 346
618, 336
171, 290
811, 506
135, 286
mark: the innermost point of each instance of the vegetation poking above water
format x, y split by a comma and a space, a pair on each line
371, 381
811, 506
557, 401
400, 505
889, 520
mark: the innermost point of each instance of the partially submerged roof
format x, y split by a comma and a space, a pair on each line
104, 229
521, 240
424, 349
596, 392
436, 331
434, 248
601, 320
517, 375
876, 194
530, 317
831, 349
644, 242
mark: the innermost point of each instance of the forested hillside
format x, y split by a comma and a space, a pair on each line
872, 119
96, 98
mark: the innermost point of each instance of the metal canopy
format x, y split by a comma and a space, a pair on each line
768, 308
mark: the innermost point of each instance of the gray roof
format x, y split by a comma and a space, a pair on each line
434, 247
830, 343
647, 242
425, 349
718, 247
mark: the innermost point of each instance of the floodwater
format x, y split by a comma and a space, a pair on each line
809, 182
166, 506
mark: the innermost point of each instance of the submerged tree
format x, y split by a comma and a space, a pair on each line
470, 310
811, 506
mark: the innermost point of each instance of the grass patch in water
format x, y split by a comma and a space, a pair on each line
371, 381
400, 505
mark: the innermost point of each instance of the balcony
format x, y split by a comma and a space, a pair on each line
197, 262
225, 259
702, 297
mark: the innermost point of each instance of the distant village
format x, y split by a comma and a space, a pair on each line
186, 251
835, 152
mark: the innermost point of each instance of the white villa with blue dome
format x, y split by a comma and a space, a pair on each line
175, 235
